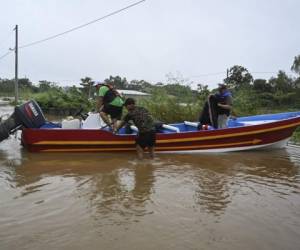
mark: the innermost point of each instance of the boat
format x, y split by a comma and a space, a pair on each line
268, 131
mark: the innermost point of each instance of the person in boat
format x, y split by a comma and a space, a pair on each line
216, 110
224, 103
109, 104
143, 120
209, 116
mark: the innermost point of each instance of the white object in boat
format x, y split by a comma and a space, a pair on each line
93, 121
192, 124
70, 124
134, 128
173, 128
256, 122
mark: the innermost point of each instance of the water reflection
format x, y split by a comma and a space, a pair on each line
117, 189
121, 195
216, 201
123, 186
219, 178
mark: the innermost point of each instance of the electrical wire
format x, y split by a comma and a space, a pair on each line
224, 72
6, 54
81, 26
262, 72
5, 39
2, 42
209, 74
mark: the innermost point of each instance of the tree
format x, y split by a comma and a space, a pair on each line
117, 81
282, 82
297, 83
261, 85
139, 85
238, 77
87, 84
203, 92
45, 86
7, 86
296, 65
25, 83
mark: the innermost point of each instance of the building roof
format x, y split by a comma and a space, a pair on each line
132, 92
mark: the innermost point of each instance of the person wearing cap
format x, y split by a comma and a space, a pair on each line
143, 120
109, 104
224, 103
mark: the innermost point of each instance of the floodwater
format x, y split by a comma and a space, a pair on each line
244, 200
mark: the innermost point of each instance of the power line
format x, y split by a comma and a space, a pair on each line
263, 72
73, 29
81, 26
5, 39
224, 72
2, 42
208, 74
6, 54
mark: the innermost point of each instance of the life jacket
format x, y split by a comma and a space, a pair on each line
221, 98
111, 94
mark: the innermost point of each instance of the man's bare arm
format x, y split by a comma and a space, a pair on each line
224, 106
99, 103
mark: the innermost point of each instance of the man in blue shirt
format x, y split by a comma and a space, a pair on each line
224, 100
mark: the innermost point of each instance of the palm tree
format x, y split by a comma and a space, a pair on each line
87, 83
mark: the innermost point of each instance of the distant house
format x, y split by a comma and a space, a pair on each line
133, 94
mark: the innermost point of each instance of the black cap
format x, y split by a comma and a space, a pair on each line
222, 86
98, 83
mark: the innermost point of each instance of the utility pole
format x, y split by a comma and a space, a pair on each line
16, 67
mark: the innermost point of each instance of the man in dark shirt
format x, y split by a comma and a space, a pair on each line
145, 124
224, 99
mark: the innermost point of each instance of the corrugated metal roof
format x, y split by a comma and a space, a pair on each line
131, 92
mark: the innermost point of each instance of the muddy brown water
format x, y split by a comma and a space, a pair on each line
243, 200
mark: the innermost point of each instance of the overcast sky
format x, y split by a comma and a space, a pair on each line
196, 39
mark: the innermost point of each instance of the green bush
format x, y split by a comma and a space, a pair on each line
63, 100
168, 109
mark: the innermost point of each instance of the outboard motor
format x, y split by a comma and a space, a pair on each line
28, 115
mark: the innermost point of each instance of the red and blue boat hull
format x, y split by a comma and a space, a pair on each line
267, 135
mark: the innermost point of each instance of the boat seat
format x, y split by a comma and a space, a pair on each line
134, 128
192, 124
256, 122
169, 127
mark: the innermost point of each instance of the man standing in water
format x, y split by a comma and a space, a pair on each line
145, 124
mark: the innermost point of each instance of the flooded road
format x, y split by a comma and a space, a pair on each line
248, 200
